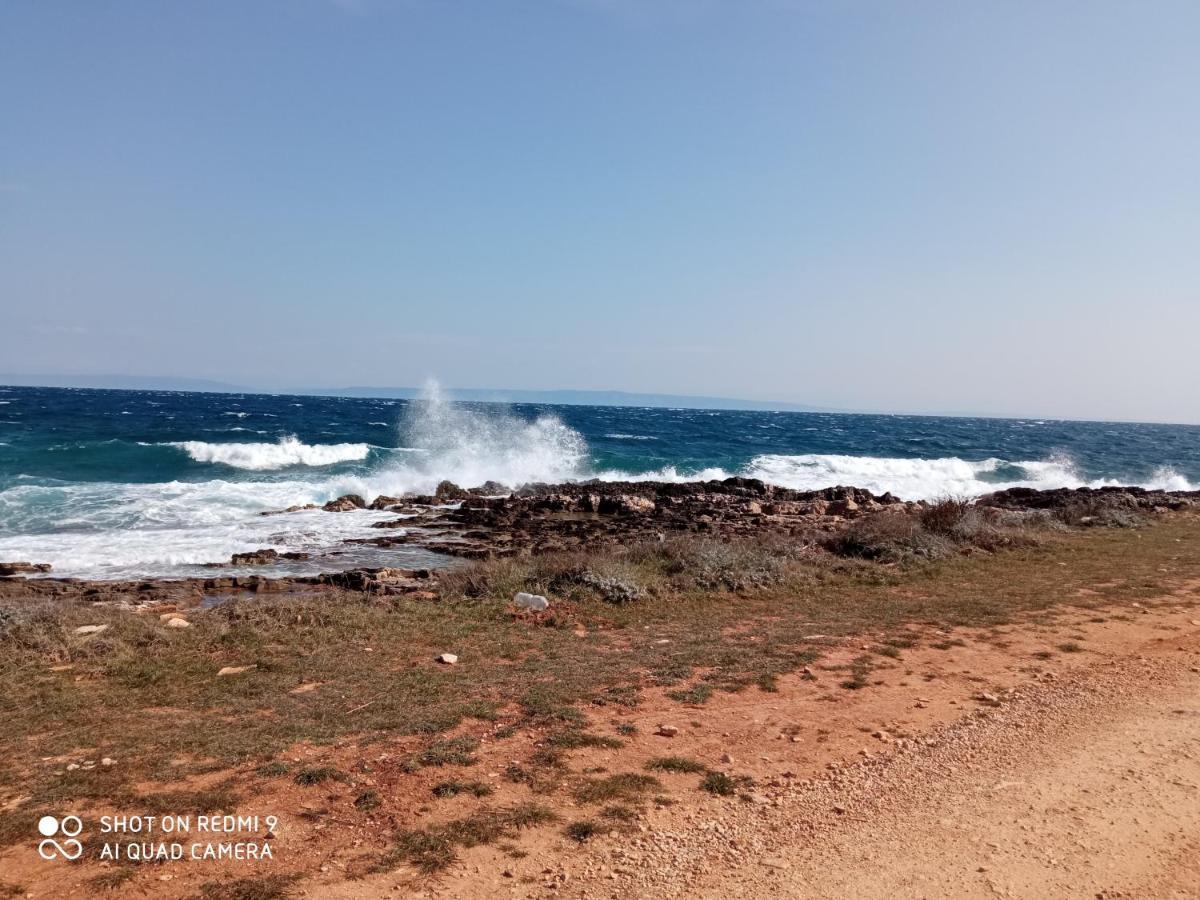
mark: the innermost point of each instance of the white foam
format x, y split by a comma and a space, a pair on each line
928, 479
288, 451
666, 473
105, 530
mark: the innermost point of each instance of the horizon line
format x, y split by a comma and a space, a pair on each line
188, 385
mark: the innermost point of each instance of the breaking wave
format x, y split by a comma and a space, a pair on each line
287, 451
928, 479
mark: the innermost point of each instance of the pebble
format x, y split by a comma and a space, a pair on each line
236, 670
447, 659
91, 629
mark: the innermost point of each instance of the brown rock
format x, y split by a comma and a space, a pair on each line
23, 568
264, 557
345, 503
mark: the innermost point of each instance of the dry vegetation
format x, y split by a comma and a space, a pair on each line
691, 615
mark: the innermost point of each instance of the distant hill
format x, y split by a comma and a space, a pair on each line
570, 398
125, 383
477, 395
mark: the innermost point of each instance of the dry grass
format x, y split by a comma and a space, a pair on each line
433, 849
676, 764
734, 616
724, 785
624, 786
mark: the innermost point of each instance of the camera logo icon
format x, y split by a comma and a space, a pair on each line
51, 828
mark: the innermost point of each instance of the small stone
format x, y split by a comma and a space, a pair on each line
91, 629
71, 767
236, 670
178, 623
839, 809
108, 761
447, 659
667, 731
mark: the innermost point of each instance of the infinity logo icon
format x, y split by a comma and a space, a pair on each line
69, 827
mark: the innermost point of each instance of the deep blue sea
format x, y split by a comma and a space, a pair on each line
108, 484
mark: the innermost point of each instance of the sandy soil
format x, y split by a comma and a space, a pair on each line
1079, 781
998, 765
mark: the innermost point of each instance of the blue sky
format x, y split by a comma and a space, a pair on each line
931, 206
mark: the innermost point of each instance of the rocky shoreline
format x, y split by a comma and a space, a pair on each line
487, 522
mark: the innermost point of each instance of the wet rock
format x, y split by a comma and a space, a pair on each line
264, 557
290, 509
23, 568
490, 488
385, 502
449, 492
345, 503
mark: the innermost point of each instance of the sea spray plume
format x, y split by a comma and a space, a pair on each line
472, 444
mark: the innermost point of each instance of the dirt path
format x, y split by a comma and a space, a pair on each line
1084, 787
1109, 810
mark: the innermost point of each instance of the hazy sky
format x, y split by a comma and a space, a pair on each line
920, 206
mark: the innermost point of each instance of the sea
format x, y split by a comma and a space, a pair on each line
110, 484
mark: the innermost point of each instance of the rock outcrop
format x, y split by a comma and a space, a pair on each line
345, 503
23, 568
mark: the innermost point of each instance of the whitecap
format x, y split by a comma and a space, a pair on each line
928, 479
288, 451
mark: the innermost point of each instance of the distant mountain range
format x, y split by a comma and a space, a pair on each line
477, 395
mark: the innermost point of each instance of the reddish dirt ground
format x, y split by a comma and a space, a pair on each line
1000, 765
